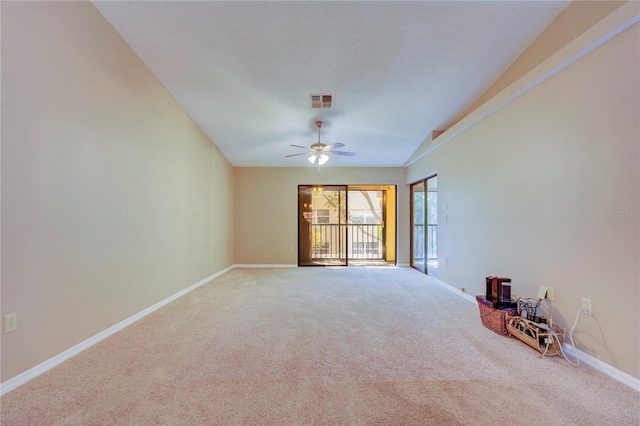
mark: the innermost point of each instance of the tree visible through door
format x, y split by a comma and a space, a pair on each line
337, 224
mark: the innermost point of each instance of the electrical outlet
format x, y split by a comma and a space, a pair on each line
446, 260
546, 293
551, 294
586, 306
10, 323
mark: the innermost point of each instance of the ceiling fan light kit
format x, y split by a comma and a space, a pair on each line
320, 152
320, 158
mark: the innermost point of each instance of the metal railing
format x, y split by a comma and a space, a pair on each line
432, 241
364, 241
327, 241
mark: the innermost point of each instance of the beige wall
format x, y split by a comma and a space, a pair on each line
534, 192
112, 198
578, 17
266, 208
575, 19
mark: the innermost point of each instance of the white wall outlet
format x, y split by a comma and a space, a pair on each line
586, 306
290, 249
551, 294
446, 260
198, 260
10, 323
546, 293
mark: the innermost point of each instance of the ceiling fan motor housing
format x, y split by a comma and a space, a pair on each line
319, 150
318, 146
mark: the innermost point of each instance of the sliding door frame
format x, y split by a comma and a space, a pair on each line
412, 239
307, 208
301, 206
426, 225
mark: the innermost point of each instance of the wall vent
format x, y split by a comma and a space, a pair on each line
321, 101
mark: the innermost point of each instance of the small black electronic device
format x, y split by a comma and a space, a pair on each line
498, 291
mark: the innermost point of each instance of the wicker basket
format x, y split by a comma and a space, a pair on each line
494, 319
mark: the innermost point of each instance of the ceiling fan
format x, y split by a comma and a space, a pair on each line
319, 152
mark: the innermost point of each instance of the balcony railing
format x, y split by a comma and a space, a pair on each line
364, 241
432, 241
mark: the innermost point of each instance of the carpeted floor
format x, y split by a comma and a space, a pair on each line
365, 346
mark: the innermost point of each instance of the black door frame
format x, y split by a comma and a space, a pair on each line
411, 223
301, 210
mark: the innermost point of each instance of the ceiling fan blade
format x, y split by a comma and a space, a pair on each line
333, 146
345, 153
293, 155
298, 146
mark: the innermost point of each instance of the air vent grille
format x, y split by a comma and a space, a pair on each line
321, 101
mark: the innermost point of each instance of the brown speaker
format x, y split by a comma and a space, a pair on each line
498, 289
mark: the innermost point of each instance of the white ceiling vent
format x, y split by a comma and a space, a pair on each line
321, 101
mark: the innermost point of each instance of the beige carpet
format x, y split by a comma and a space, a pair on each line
365, 346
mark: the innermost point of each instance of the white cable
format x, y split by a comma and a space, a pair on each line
575, 351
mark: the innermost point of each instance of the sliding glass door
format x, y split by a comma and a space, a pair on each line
432, 226
367, 224
424, 225
418, 220
322, 225
338, 224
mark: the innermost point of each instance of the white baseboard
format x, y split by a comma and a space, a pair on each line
452, 289
603, 367
265, 265
585, 358
404, 265
34, 372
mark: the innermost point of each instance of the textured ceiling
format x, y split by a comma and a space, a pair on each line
398, 70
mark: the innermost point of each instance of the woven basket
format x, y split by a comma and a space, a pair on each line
495, 319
